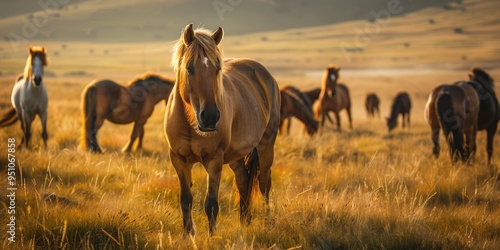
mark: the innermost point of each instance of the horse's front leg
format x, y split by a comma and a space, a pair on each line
43, 119
26, 125
183, 171
214, 170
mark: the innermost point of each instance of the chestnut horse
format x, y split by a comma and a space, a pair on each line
401, 105
107, 100
372, 103
333, 97
489, 109
220, 112
29, 97
296, 103
454, 109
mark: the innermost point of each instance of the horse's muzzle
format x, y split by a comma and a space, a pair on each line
38, 80
208, 119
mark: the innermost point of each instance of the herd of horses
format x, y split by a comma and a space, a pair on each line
229, 111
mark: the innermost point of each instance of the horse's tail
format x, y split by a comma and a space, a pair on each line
88, 116
449, 124
252, 166
8, 118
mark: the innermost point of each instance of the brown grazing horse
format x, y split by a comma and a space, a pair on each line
295, 103
220, 112
312, 95
372, 103
454, 109
29, 97
106, 100
333, 97
489, 109
400, 105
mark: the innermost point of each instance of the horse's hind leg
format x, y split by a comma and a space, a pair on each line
490, 134
93, 134
337, 117
136, 131
471, 142
435, 140
242, 183
350, 116
265, 153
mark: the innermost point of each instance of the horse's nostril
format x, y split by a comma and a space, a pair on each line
38, 80
209, 118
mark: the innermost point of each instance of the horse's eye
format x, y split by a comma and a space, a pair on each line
190, 68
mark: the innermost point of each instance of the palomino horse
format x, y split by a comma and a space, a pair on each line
454, 109
106, 100
489, 110
295, 103
220, 112
29, 97
400, 105
333, 97
372, 103
312, 95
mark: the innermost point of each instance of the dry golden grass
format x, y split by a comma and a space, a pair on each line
355, 189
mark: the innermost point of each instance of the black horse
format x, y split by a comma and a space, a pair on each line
489, 109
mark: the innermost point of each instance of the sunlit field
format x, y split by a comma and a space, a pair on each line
362, 188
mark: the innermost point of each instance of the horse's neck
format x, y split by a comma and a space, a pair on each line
395, 109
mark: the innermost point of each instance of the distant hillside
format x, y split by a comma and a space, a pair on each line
157, 20
456, 36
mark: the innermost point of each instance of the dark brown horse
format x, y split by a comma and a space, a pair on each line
333, 97
454, 109
401, 105
106, 100
312, 95
489, 110
220, 112
297, 104
372, 103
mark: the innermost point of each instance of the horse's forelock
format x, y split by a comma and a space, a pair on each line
202, 46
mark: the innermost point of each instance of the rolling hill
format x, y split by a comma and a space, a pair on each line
454, 35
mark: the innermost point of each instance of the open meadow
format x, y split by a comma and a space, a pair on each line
360, 188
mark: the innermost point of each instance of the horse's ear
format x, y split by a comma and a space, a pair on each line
470, 76
188, 34
217, 35
43, 49
338, 69
31, 50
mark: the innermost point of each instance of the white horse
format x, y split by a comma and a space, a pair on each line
29, 97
